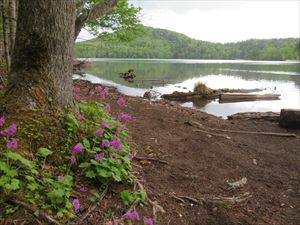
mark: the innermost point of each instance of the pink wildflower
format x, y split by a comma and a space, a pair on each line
134, 215
105, 143
83, 189
2, 121
148, 221
80, 117
121, 102
10, 131
77, 97
98, 89
99, 132
77, 148
131, 156
77, 89
99, 156
103, 124
13, 144
73, 160
76, 204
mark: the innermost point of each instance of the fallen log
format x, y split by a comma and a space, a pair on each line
290, 118
269, 116
199, 125
240, 97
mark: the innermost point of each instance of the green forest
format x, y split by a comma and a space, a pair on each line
160, 43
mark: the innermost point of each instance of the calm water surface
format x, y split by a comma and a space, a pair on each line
181, 75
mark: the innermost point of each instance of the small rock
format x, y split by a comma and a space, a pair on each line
208, 135
254, 161
282, 204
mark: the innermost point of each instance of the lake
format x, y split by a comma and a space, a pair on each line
282, 77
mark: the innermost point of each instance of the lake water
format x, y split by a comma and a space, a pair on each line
282, 77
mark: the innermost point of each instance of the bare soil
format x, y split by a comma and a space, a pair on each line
200, 164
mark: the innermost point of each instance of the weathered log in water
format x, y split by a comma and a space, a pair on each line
290, 118
241, 97
189, 96
204, 94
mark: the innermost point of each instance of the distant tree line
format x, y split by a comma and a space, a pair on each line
160, 43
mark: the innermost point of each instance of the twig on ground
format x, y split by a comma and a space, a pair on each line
213, 134
190, 199
151, 159
93, 207
40, 214
178, 198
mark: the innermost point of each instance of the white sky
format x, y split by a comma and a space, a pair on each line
223, 21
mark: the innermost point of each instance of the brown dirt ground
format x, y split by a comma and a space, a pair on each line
199, 167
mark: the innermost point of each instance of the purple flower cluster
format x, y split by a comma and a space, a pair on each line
99, 156
116, 144
76, 91
133, 215
73, 160
103, 92
148, 221
13, 144
76, 204
80, 117
77, 149
10, 131
83, 189
103, 124
124, 116
99, 132
121, 102
105, 143
2, 121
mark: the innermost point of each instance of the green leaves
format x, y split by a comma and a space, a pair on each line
129, 198
44, 152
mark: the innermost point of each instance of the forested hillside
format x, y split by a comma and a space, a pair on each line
160, 43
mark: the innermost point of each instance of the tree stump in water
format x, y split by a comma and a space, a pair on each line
290, 118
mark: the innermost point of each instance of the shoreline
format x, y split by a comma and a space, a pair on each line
199, 165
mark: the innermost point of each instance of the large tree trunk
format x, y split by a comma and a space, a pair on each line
41, 70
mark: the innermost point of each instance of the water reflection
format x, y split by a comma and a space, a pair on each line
166, 76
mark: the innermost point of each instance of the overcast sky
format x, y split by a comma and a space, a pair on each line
223, 21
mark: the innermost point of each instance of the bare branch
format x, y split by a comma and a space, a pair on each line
97, 11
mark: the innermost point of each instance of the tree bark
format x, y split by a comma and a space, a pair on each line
41, 70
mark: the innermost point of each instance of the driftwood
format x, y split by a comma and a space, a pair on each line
199, 125
290, 118
269, 116
239, 97
231, 200
38, 213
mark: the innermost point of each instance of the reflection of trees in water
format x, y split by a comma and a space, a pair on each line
179, 72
